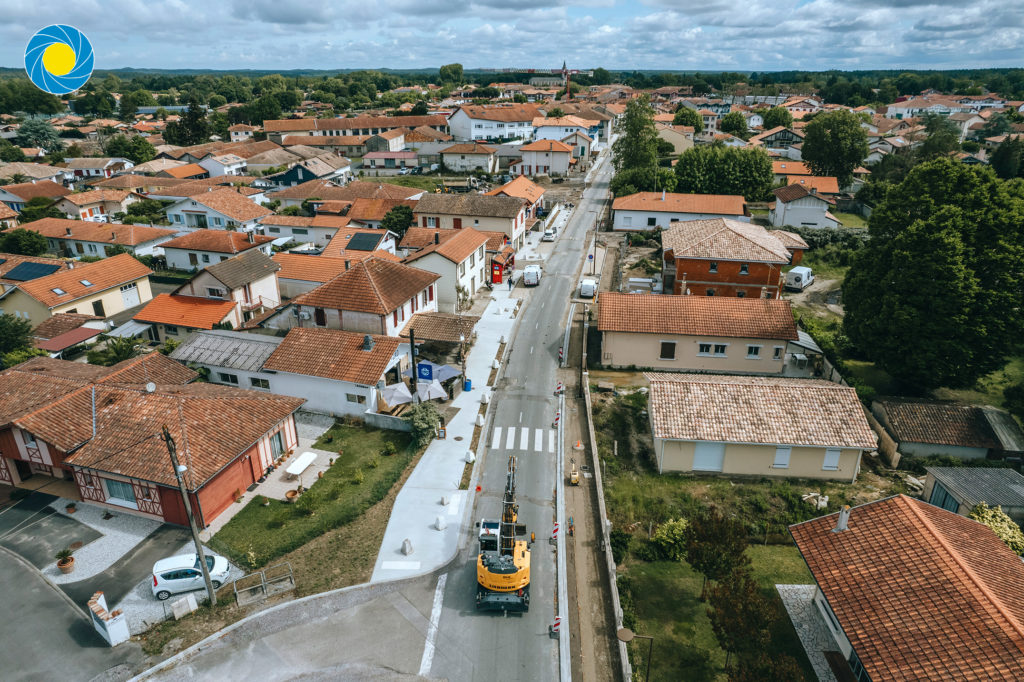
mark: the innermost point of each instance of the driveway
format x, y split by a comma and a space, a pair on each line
73, 650
37, 532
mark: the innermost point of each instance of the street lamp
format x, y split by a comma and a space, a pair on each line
626, 635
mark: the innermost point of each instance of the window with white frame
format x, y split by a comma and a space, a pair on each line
226, 378
256, 382
720, 349
744, 269
703, 349
782, 454
170, 329
355, 398
120, 492
753, 352
778, 352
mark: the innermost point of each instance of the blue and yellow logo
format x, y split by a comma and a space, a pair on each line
59, 59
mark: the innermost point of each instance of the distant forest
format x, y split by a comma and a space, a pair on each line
270, 91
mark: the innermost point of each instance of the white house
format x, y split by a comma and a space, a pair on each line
75, 238
249, 280
200, 248
97, 205
337, 372
467, 157
459, 260
559, 128
220, 209
481, 212
544, 157
224, 164
301, 272
798, 206
89, 167
654, 210
317, 230
493, 122
241, 132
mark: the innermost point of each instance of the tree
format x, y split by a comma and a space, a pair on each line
715, 546
740, 615
835, 144
670, 539
216, 100
733, 123
9, 153
685, 116
943, 137
136, 148
38, 208
637, 145
601, 77
555, 112
16, 357
451, 73
39, 133
653, 179
22, 242
1001, 524
423, 420
115, 349
398, 220
777, 117
942, 264
717, 169
419, 109
998, 124
15, 333
191, 129
765, 667
1005, 160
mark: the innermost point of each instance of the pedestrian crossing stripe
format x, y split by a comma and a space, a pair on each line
520, 438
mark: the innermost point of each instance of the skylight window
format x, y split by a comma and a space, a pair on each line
59, 292
85, 282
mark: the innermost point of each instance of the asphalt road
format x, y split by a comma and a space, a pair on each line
493, 647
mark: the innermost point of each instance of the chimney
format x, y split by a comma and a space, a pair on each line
113, 236
437, 237
764, 292
814, 190
348, 264
251, 236
842, 523
367, 343
67, 231
663, 195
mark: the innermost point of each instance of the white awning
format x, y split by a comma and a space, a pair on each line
130, 329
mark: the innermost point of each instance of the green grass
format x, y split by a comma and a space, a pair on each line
850, 219
666, 602
865, 372
823, 265
360, 477
425, 182
989, 389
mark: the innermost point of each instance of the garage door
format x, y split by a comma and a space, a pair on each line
708, 456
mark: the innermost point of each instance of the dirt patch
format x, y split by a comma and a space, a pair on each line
621, 379
821, 298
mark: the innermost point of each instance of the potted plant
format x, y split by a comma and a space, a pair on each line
71, 507
65, 560
265, 501
290, 495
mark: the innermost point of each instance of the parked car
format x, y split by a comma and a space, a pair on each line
799, 278
588, 288
549, 235
541, 212
418, 170
531, 275
404, 170
182, 574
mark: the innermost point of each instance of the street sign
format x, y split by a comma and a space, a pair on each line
590, 256
425, 371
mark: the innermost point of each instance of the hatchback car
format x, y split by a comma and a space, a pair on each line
182, 574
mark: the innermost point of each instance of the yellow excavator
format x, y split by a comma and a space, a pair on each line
503, 566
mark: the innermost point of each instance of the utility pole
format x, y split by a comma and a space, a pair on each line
415, 367
172, 450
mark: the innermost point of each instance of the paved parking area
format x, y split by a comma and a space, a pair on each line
36, 531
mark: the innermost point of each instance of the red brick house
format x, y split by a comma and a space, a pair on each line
722, 257
99, 427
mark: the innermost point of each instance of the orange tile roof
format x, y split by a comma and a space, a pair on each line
502, 112
326, 140
469, 148
41, 188
232, 204
520, 187
328, 191
186, 311
546, 146
96, 195
287, 220
108, 233
217, 241
328, 220
752, 318
364, 210
419, 237
563, 121
722, 204
61, 323
823, 183
455, 248
938, 423
333, 354
6, 213
921, 593
189, 170
374, 285
101, 275
724, 239
308, 268
750, 409
338, 244
356, 122
798, 191
790, 168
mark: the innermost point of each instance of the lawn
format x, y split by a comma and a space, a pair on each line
361, 476
850, 219
425, 182
989, 389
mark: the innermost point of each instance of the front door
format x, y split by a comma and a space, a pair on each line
708, 456
277, 445
24, 469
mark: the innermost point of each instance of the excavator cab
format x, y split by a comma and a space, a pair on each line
574, 473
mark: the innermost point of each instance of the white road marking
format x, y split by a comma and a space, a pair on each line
496, 441
538, 440
537, 326
520, 417
400, 565
524, 442
551, 441
510, 438
531, 350
435, 616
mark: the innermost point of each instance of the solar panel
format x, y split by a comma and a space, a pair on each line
2, 261
26, 271
364, 241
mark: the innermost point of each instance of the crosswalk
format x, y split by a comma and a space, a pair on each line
509, 437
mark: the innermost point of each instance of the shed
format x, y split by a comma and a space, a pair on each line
959, 489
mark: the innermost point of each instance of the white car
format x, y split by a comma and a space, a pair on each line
549, 235
182, 574
588, 288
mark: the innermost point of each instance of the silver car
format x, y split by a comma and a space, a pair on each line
182, 574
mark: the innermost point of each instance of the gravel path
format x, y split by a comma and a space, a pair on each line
312, 425
120, 533
810, 627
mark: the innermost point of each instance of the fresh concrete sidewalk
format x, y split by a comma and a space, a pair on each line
438, 473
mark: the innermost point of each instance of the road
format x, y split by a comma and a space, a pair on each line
493, 647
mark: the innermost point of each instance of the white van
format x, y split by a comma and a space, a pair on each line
588, 288
799, 278
531, 275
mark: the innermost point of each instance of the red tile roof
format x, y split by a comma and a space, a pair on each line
12, 260
68, 339
193, 312
61, 323
456, 248
724, 239
920, 592
719, 316
798, 191
308, 268
469, 148
520, 187
364, 210
374, 285
232, 204
333, 354
790, 168
189, 170
107, 233
41, 188
670, 202
218, 241
546, 146
101, 275
823, 183
524, 113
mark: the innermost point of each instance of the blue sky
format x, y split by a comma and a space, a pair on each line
649, 34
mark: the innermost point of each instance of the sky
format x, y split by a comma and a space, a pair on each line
741, 35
